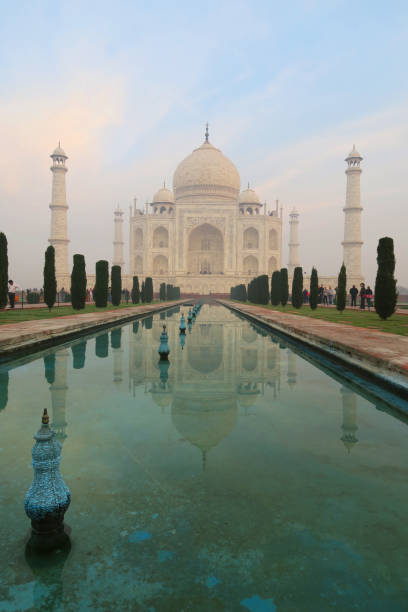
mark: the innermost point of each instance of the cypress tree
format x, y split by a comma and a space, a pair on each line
314, 289
116, 285
297, 288
143, 293
162, 292
284, 289
385, 294
50, 281
102, 346
116, 338
101, 283
78, 355
3, 271
135, 291
78, 283
148, 289
341, 289
276, 288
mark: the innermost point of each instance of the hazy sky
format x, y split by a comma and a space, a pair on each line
128, 86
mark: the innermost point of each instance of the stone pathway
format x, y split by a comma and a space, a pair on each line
15, 337
381, 354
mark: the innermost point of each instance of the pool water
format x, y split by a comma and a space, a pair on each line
241, 477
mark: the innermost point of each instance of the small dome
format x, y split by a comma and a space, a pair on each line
248, 196
58, 152
353, 154
206, 173
163, 196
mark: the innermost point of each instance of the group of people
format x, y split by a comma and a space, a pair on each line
365, 293
328, 296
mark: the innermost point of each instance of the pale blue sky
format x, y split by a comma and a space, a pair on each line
128, 87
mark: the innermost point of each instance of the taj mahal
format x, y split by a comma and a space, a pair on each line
206, 235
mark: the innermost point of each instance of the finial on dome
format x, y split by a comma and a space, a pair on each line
207, 134
45, 418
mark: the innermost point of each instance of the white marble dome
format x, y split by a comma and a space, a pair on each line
163, 196
248, 196
206, 174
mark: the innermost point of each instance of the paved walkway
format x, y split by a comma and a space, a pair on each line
379, 353
15, 337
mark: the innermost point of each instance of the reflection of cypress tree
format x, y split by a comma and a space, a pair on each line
116, 335
135, 327
78, 355
102, 345
149, 322
162, 316
48, 589
4, 383
49, 366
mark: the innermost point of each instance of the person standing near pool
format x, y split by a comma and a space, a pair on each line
369, 296
362, 296
354, 294
12, 292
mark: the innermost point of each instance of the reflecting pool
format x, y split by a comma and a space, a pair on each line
239, 476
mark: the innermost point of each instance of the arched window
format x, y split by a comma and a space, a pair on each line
251, 238
250, 265
160, 265
272, 265
273, 240
138, 266
138, 238
160, 238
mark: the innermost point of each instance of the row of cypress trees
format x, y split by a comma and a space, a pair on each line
385, 294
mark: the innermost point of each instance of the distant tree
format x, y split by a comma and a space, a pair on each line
101, 283
50, 281
276, 288
297, 288
385, 294
78, 283
314, 289
135, 291
284, 290
148, 289
341, 289
143, 293
116, 285
3, 271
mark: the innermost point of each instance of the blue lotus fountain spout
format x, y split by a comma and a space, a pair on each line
48, 497
182, 325
164, 349
190, 316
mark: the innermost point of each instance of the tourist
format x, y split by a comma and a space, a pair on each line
320, 295
354, 294
369, 296
12, 292
362, 296
305, 296
331, 295
325, 296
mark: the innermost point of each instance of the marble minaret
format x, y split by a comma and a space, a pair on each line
118, 239
352, 220
293, 241
59, 235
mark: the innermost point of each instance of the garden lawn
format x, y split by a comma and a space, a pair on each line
33, 314
397, 324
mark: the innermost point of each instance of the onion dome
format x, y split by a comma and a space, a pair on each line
163, 196
248, 196
59, 152
354, 154
206, 174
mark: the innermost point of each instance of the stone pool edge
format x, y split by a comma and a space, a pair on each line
18, 340
385, 373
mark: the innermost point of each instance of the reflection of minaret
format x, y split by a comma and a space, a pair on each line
349, 425
58, 394
4, 383
116, 337
291, 369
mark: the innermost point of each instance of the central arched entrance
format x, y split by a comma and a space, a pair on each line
205, 250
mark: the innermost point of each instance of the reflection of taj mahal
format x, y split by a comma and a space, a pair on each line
205, 236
